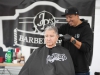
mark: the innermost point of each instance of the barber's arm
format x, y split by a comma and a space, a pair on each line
76, 42
85, 45
68, 37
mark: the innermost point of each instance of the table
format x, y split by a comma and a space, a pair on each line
10, 65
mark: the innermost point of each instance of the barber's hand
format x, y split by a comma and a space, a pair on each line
67, 37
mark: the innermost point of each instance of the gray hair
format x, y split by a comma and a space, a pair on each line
52, 27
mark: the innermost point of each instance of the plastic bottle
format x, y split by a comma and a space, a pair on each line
17, 50
9, 56
19, 54
14, 55
6, 57
22, 59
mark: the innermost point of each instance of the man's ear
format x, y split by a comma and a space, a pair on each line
58, 36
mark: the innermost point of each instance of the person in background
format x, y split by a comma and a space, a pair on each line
78, 39
50, 59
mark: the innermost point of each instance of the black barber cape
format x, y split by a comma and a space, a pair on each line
45, 62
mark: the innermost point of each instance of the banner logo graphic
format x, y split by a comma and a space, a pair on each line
56, 57
40, 21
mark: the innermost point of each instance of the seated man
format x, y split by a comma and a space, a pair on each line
50, 59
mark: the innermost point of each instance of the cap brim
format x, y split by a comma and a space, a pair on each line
63, 15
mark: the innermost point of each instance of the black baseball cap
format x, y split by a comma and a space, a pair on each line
71, 11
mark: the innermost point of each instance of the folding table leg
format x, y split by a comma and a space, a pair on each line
9, 72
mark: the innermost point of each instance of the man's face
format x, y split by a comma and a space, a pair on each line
50, 38
72, 19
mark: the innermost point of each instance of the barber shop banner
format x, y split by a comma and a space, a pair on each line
22, 21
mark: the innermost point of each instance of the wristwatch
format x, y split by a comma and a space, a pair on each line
74, 41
